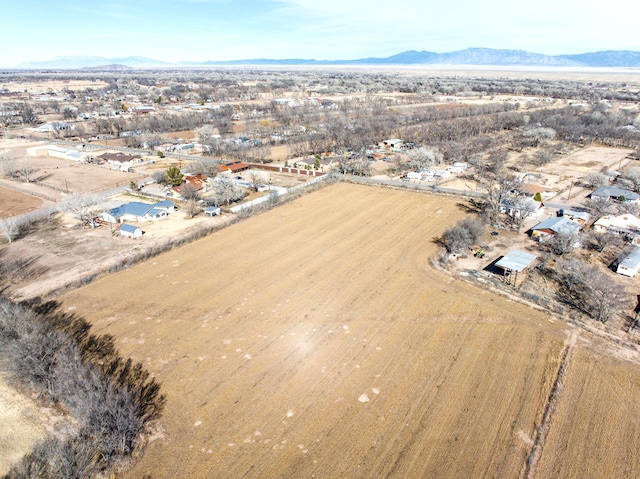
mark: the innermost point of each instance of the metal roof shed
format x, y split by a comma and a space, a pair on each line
514, 262
130, 231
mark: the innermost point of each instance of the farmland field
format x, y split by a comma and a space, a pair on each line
316, 341
14, 203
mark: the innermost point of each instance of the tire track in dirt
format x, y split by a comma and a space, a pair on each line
551, 405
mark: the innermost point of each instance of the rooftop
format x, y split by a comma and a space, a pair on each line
615, 192
516, 260
560, 224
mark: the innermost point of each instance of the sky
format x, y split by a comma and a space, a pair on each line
200, 30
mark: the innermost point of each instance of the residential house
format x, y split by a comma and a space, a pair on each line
533, 189
581, 217
522, 207
196, 182
614, 193
136, 211
629, 264
546, 229
626, 225
457, 167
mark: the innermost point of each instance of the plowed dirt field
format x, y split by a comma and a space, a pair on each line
316, 341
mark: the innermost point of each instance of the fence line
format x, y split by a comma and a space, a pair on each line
410, 186
276, 194
42, 196
286, 169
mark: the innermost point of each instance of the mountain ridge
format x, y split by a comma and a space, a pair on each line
469, 56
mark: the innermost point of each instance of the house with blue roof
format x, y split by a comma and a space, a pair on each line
137, 211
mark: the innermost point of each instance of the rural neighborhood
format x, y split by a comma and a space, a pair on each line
431, 274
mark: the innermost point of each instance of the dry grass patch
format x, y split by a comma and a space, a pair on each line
21, 426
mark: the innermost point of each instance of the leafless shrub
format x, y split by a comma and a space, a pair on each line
564, 243
595, 180
54, 355
462, 236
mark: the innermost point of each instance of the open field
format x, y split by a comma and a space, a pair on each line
316, 341
14, 203
79, 177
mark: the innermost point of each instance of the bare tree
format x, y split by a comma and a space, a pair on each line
595, 180
83, 207
189, 192
68, 113
633, 175
603, 241
423, 157
7, 163
590, 290
9, 228
226, 190
599, 207
158, 177
564, 243
209, 168
27, 113
257, 178
192, 208
24, 169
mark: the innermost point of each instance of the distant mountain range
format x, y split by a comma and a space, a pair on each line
469, 56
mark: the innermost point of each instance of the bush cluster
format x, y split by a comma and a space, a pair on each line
112, 399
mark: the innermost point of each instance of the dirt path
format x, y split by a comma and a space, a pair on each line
551, 405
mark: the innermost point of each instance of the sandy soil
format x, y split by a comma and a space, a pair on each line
14, 203
21, 426
315, 341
